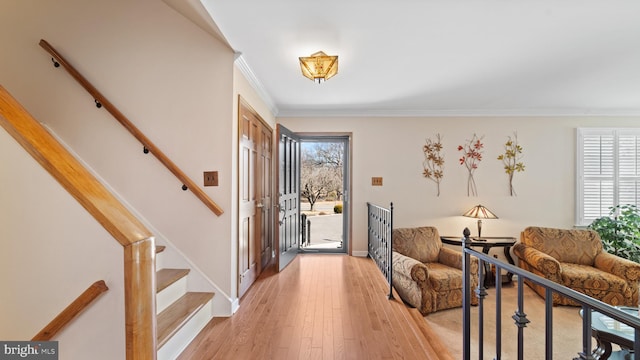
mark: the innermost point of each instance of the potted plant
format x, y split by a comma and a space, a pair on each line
620, 231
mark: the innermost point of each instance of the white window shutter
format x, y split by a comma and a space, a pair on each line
628, 171
608, 168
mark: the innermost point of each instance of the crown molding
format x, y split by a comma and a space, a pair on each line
289, 113
255, 83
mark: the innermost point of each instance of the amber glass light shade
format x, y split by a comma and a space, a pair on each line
319, 66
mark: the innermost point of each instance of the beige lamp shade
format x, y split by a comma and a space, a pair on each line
480, 212
319, 66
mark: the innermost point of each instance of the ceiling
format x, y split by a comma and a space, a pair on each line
440, 58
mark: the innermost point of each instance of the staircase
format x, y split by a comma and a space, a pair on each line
180, 314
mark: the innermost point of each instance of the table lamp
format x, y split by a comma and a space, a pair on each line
480, 212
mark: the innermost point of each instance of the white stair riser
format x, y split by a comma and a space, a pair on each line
159, 262
172, 348
170, 294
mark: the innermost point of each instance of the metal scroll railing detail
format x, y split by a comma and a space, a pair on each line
588, 304
380, 243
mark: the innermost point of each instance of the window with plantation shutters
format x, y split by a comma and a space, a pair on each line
608, 171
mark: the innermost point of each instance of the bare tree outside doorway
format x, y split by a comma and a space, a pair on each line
321, 194
321, 172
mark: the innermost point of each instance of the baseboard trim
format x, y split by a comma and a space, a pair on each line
235, 305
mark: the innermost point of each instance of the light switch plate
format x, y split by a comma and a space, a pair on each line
210, 178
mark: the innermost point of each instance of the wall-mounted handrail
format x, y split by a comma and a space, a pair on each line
102, 101
137, 241
70, 312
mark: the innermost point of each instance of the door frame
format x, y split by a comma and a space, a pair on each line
347, 180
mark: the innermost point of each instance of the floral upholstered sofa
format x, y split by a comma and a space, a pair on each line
427, 275
575, 259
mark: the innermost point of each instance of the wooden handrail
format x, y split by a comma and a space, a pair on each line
69, 172
101, 100
76, 307
137, 241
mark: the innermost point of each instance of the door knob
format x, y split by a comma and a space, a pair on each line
260, 205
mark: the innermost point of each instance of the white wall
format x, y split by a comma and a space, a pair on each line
52, 251
392, 148
173, 80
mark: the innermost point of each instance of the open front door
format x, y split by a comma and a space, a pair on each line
288, 195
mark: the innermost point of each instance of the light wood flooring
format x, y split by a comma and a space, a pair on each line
319, 307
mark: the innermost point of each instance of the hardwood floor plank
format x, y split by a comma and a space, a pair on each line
327, 338
319, 307
316, 354
305, 348
215, 329
338, 335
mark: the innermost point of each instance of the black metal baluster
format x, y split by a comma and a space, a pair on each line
586, 333
520, 319
466, 296
390, 249
548, 328
498, 313
481, 293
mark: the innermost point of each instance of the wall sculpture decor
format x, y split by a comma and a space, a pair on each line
512, 160
471, 155
433, 163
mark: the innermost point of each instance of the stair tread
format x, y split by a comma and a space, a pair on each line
166, 277
170, 320
160, 248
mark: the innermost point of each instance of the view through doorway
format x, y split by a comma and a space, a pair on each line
323, 193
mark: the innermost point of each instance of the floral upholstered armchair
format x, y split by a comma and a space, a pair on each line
427, 275
575, 259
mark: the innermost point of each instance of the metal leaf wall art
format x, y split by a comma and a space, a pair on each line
433, 163
472, 151
511, 159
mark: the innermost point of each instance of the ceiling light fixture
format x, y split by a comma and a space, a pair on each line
319, 66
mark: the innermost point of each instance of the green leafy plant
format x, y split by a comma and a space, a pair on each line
620, 231
337, 209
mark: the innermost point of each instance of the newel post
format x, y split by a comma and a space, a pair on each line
466, 295
140, 300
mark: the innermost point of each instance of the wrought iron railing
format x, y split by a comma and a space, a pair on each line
380, 243
588, 304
